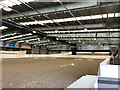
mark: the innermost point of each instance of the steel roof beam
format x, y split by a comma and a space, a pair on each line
52, 9
101, 25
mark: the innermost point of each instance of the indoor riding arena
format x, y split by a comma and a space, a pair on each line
59, 44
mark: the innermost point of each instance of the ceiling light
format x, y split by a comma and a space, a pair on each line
3, 27
104, 15
94, 38
38, 39
57, 38
9, 19
26, 41
74, 39
55, 0
85, 29
21, 18
38, 15
44, 38
96, 16
17, 18
7, 9
117, 14
56, 31
34, 32
14, 33
111, 15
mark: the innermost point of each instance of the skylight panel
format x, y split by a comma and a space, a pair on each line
27, 1
111, 15
96, 16
104, 15
46, 21
78, 18
85, 17
16, 36
67, 19
71, 19
18, 2
117, 14
11, 3
8, 3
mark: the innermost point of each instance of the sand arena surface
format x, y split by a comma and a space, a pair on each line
45, 72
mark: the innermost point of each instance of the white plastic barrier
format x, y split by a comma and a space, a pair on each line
107, 70
84, 82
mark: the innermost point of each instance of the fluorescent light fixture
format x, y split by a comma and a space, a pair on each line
56, 31
74, 39
96, 16
3, 27
57, 38
85, 29
7, 9
38, 39
20, 41
56, 1
73, 19
38, 15
104, 15
28, 34
117, 14
111, 15
34, 31
94, 38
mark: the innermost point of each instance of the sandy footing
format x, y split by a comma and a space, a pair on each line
45, 72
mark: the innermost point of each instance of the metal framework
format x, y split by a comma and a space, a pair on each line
66, 23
